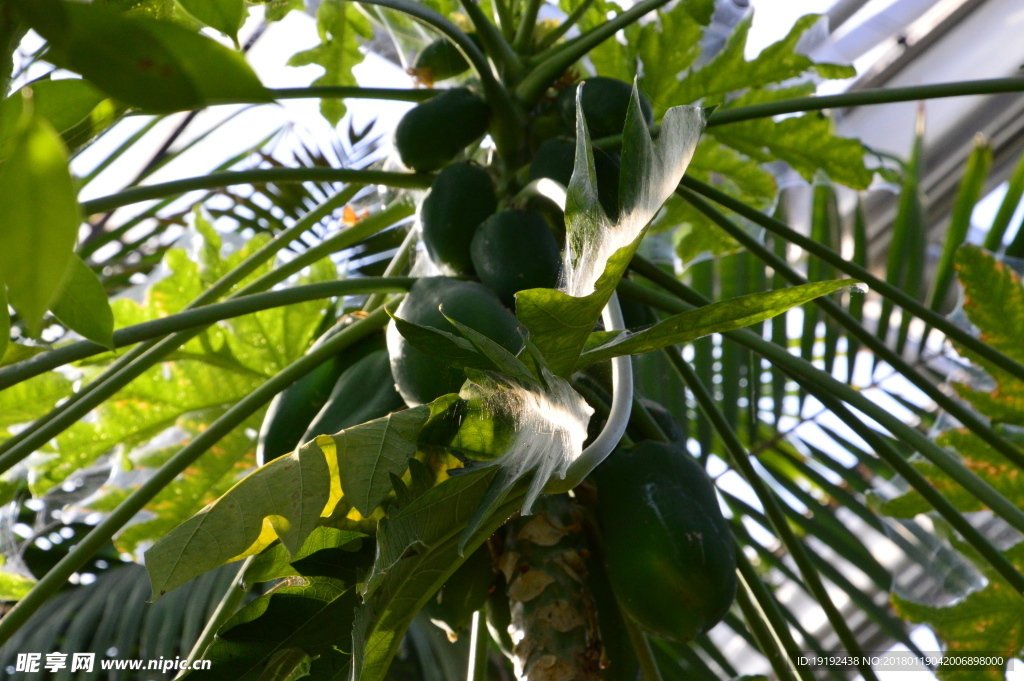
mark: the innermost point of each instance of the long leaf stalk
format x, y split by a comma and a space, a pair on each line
1014, 192
875, 344
741, 463
507, 60
767, 640
137, 500
564, 27
564, 56
527, 22
200, 317
822, 386
226, 608
258, 176
952, 332
772, 612
354, 92
148, 353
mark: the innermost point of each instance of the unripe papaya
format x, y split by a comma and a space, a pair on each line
439, 60
556, 158
464, 593
421, 378
295, 407
460, 198
363, 392
431, 134
670, 553
515, 250
605, 102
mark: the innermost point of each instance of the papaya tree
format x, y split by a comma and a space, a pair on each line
440, 405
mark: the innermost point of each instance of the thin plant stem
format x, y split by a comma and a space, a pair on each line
549, 69
201, 316
258, 176
397, 264
740, 462
227, 607
527, 22
912, 306
563, 28
352, 92
870, 340
476, 667
508, 62
770, 607
642, 648
763, 632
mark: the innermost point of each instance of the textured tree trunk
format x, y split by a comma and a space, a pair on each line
554, 620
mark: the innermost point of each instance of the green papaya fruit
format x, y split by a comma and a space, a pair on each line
669, 551
515, 250
438, 61
363, 392
421, 378
431, 134
464, 593
556, 158
295, 407
605, 102
460, 198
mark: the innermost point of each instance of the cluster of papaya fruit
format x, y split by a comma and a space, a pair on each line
664, 556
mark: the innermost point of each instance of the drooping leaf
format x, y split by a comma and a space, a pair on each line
149, 63
224, 15
369, 454
63, 103
340, 26
275, 563
994, 302
418, 549
39, 221
598, 250
980, 458
310, 612
729, 71
989, 622
725, 315
282, 500
807, 143
83, 306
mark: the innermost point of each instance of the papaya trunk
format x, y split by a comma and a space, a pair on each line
554, 619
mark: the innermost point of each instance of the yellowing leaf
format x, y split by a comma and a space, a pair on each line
988, 622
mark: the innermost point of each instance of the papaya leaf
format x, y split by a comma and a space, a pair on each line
994, 302
598, 250
282, 500
986, 622
63, 103
807, 142
417, 550
28, 400
978, 457
369, 454
14, 587
725, 315
729, 71
458, 352
224, 15
83, 306
340, 26
153, 64
206, 480
39, 221
275, 563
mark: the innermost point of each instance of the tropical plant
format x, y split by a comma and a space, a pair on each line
549, 406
